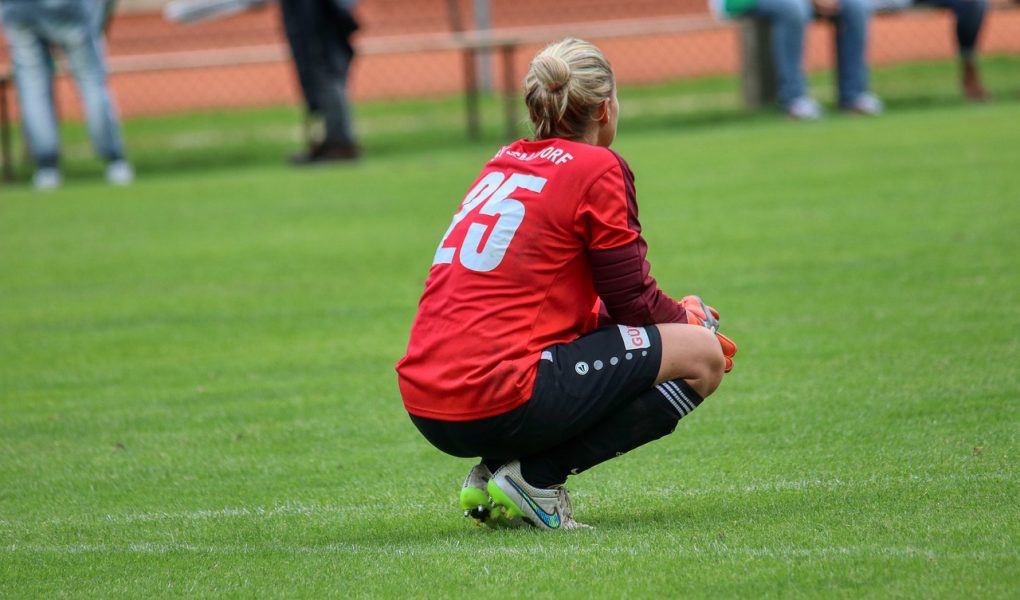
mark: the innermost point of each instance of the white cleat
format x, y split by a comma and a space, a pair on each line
547, 508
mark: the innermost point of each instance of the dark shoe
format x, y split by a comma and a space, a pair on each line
326, 153
973, 90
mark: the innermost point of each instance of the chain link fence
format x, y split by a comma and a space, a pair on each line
160, 67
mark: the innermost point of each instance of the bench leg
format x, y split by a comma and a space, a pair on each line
510, 91
5, 133
471, 95
758, 71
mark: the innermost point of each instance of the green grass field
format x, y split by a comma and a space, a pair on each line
197, 395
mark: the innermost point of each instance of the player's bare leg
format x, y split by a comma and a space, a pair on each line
692, 354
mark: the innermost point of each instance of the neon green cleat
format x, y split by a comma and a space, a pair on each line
475, 501
474, 497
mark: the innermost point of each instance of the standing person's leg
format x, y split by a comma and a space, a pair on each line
970, 16
331, 66
73, 27
298, 16
789, 20
294, 14
336, 108
33, 75
852, 57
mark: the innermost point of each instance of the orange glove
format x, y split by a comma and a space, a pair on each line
728, 350
699, 313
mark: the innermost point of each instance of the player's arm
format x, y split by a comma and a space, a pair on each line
617, 252
621, 273
630, 295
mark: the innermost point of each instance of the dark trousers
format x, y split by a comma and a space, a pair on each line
319, 32
970, 15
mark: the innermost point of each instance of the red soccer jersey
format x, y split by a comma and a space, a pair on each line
513, 275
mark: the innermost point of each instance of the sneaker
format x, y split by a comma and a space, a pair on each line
47, 178
120, 172
547, 509
325, 153
866, 104
973, 89
804, 108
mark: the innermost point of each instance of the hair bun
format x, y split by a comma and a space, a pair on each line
567, 82
553, 72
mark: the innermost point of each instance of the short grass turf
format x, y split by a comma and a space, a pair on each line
197, 395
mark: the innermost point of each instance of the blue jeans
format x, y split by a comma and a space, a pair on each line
31, 26
789, 20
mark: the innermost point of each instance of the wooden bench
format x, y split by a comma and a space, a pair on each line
503, 40
757, 79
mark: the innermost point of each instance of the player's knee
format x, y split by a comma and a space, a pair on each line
715, 365
693, 354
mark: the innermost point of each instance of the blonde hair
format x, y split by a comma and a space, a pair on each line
565, 84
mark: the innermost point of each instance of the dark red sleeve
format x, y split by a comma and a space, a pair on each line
629, 293
622, 275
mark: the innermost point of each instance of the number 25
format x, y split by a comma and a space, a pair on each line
494, 190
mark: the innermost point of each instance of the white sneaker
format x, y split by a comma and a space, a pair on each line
804, 108
547, 509
866, 104
120, 172
47, 178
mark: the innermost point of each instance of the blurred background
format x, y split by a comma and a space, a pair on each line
241, 63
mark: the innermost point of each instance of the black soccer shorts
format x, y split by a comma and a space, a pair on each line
578, 385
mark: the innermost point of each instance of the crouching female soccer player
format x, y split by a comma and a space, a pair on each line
542, 344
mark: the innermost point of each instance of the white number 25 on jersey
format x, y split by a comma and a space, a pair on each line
494, 191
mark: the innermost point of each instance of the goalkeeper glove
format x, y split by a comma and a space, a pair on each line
699, 313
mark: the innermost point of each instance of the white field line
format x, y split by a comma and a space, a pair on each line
295, 508
439, 548
290, 509
783, 485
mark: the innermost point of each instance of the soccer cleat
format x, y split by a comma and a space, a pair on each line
474, 497
516, 499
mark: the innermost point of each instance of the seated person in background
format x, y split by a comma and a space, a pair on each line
970, 15
789, 20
